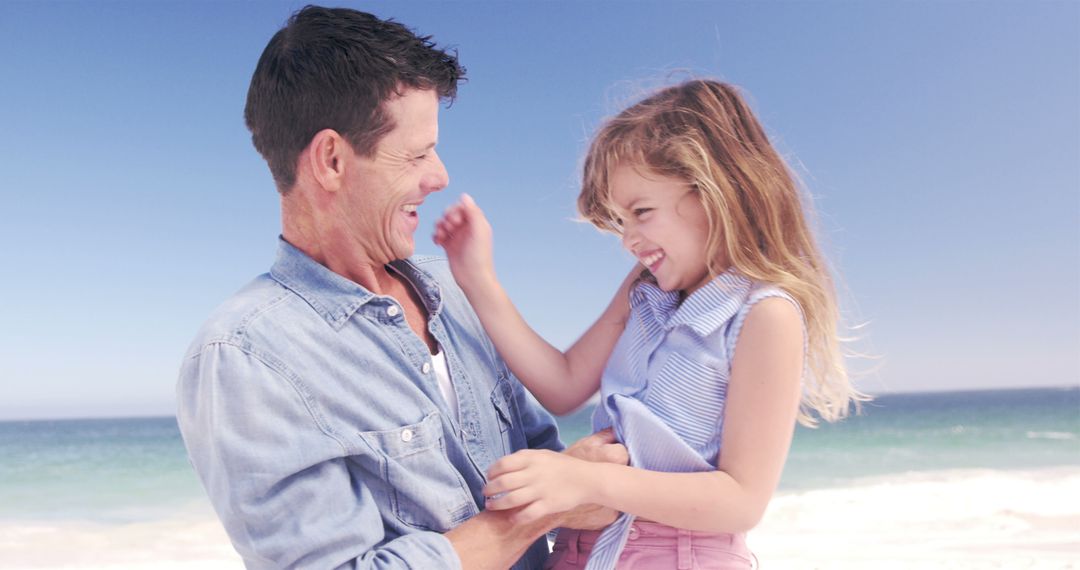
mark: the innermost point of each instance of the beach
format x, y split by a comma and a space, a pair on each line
965, 519
957, 520
961, 481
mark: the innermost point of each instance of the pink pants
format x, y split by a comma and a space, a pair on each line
656, 546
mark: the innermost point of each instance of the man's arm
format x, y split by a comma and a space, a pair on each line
278, 479
491, 540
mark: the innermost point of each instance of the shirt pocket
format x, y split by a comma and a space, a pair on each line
426, 491
689, 396
502, 399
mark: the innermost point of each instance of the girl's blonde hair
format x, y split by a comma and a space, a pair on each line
704, 133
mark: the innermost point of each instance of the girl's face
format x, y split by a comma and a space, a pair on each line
664, 226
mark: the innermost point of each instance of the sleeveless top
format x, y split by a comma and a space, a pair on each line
664, 387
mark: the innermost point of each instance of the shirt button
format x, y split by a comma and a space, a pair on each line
633, 532
393, 311
426, 368
406, 435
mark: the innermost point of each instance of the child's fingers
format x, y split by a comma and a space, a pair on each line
446, 231
443, 226
511, 500
504, 465
469, 208
505, 483
513, 462
439, 237
454, 215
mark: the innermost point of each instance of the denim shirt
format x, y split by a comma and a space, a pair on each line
313, 417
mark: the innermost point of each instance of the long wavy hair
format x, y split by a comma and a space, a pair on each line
704, 133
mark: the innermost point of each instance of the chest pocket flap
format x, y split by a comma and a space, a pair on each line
425, 490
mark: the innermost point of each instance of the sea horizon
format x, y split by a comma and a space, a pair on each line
591, 402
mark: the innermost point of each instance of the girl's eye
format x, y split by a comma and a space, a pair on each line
638, 212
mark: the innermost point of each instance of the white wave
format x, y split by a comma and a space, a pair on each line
956, 520
951, 519
193, 540
1050, 435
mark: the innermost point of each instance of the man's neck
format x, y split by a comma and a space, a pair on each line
350, 264
332, 250
332, 247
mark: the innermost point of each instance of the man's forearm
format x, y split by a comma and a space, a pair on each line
491, 540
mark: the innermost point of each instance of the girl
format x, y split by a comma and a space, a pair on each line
731, 324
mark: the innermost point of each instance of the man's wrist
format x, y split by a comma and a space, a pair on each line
492, 539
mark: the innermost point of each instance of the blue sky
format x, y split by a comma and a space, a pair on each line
940, 141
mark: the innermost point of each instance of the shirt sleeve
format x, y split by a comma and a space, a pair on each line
278, 477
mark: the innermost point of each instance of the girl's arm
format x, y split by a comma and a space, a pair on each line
560, 381
762, 403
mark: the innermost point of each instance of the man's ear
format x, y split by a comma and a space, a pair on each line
326, 157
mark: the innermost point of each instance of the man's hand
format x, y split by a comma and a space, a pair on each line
600, 447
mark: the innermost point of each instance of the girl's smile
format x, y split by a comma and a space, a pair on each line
664, 225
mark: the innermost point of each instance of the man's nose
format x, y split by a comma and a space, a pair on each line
438, 178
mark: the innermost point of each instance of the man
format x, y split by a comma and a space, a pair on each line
342, 409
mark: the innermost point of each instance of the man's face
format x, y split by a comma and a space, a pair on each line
383, 191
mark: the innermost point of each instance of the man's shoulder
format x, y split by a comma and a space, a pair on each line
234, 318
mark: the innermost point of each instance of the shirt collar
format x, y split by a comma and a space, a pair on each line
337, 298
705, 310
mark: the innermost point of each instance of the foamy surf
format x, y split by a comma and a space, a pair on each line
957, 519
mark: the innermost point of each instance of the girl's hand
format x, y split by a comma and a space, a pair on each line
465, 234
539, 481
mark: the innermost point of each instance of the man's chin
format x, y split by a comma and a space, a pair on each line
404, 249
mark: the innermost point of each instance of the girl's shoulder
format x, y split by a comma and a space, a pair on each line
758, 292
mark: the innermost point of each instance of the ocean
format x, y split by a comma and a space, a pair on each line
105, 476
901, 433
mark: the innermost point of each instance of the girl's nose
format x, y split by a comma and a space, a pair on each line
630, 237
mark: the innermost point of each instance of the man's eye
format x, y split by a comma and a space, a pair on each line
420, 157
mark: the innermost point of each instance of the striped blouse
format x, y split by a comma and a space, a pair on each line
664, 387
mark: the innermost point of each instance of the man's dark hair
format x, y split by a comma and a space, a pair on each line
333, 68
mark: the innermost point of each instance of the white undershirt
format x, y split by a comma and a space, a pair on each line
438, 362
442, 374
